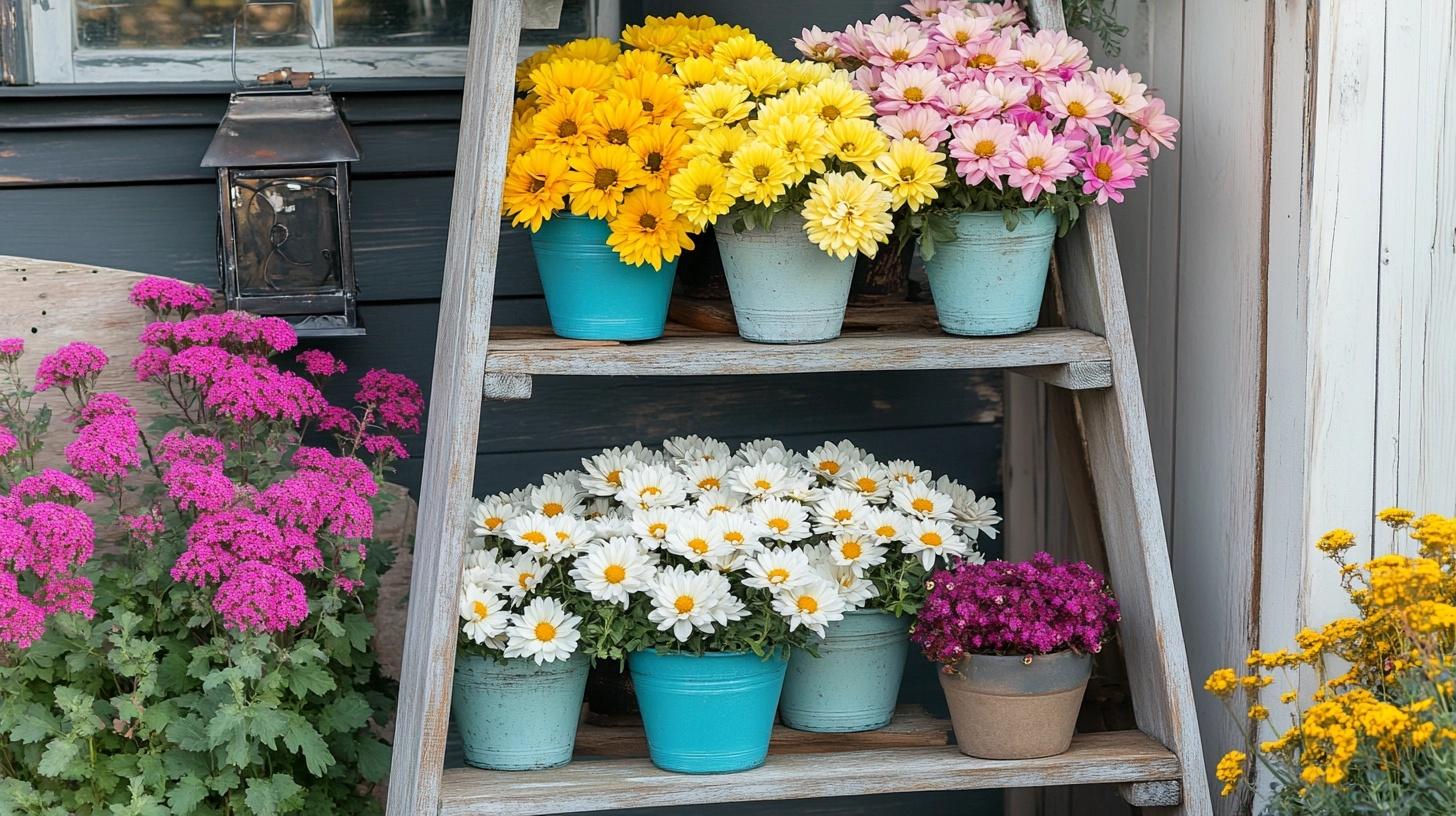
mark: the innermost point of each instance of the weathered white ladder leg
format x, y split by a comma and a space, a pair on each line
454, 420
1120, 458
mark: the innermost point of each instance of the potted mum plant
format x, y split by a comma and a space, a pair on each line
1032, 133
786, 164
596, 138
1016, 642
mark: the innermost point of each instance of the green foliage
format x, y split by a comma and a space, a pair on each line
1099, 17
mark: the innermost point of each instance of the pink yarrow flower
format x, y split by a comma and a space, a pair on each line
164, 296
982, 151
1038, 161
8, 442
11, 348
320, 363
74, 364
396, 399
22, 621
258, 597
52, 485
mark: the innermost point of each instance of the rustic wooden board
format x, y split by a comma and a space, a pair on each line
1125, 756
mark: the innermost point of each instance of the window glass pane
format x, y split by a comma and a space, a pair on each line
436, 22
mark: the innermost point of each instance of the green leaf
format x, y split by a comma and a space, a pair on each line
189, 734
373, 759
267, 724
269, 797
60, 759
344, 714
303, 738
186, 795
34, 724
310, 678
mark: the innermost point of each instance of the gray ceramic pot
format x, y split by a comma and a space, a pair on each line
1016, 707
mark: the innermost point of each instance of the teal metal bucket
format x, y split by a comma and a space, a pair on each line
707, 714
990, 280
590, 293
784, 288
854, 682
516, 716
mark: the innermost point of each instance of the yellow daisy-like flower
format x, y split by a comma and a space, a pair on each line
801, 138
524, 68
647, 231
566, 124
847, 213
741, 48
523, 137
759, 172
696, 72
719, 143
662, 96
835, 99
856, 141
784, 106
535, 187
617, 120
911, 172
596, 49
700, 193
802, 72
600, 178
559, 78
762, 76
635, 63
659, 150
654, 36
717, 104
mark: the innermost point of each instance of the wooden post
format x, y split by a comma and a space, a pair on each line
454, 420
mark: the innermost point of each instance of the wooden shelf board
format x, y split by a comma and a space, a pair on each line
683, 351
615, 784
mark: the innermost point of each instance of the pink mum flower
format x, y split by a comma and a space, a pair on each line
71, 364
1038, 161
1106, 171
1154, 127
970, 101
960, 31
930, 9
1004, 14
924, 125
899, 48
909, 87
982, 151
992, 54
1082, 106
1123, 87
818, 45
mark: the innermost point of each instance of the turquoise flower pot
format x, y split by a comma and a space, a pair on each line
990, 280
854, 682
516, 716
590, 293
785, 289
707, 714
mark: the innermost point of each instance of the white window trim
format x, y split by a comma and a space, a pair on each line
56, 59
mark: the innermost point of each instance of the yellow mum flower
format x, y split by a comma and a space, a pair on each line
696, 72
719, 143
596, 49
566, 124
523, 136
801, 138
847, 213
699, 193
524, 68
759, 172
802, 73
558, 78
661, 96
659, 150
856, 141
734, 50
762, 76
1230, 770
617, 120
600, 178
535, 187
652, 36
634, 63
717, 104
911, 172
785, 106
647, 231
834, 98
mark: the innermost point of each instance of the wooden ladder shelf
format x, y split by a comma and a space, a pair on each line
1160, 765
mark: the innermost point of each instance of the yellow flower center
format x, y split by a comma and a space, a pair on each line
1030, 64
647, 105
777, 575
480, 609
1076, 109
931, 539
899, 55
985, 148
962, 37
907, 174
808, 605
524, 578
1035, 102
657, 529
1102, 170
698, 545
552, 508
848, 147
719, 113
763, 484
615, 478
843, 514
537, 184
829, 466
851, 549
725, 157
651, 491
562, 535
494, 522
866, 484
829, 113
566, 129
982, 61
653, 162
922, 505
605, 178
884, 531
704, 192
761, 172
614, 574
709, 483
914, 95
648, 221
534, 536
684, 604
1035, 163
779, 524
733, 537
1117, 98
617, 136
545, 631
910, 134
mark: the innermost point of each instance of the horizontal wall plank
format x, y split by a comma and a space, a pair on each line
205, 110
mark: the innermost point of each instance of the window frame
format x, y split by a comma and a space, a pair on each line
54, 57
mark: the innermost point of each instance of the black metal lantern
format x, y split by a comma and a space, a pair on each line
282, 159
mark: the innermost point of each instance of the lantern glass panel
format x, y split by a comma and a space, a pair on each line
286, 231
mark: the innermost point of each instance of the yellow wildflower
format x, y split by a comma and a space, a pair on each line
1222, 682
801, 140
1258, 712
557, 78
600, 178
856, 141
719, 143
1395, 516
1335, 541
1230, 770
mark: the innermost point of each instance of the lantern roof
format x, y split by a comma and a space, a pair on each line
281, 129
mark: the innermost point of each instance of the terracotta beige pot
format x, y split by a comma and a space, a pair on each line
1016, 707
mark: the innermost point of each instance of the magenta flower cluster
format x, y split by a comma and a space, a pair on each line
164, 296
11, 348
44, 540
395, 399
71, 365
107, 438
1021, 608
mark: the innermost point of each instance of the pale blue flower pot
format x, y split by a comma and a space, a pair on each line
516, 716
990, 280
854, 682
707, 714
590, 293
784, 288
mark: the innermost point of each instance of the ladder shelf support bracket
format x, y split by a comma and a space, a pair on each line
507, 386
1167, 793
1072, 376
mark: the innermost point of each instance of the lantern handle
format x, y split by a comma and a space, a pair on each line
312, 35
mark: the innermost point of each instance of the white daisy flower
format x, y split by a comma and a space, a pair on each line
653, 525
920, 500
706, 475
521, 574
856, 550
907, 472
782, 519
974, 516
694, 448
802, 487
485, 615
854, 589
544, 631
483, 558
933, 538
611, 525
651, 486
684, 600
536, 532
740, 531
519, 496
603, 472
867, 479
612, 570
886, 525
696, 539
489, 516
778, 569
762, 481
812, 605
555, 499
713, 502
830, 459
766, 450
571, 535
838, 510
